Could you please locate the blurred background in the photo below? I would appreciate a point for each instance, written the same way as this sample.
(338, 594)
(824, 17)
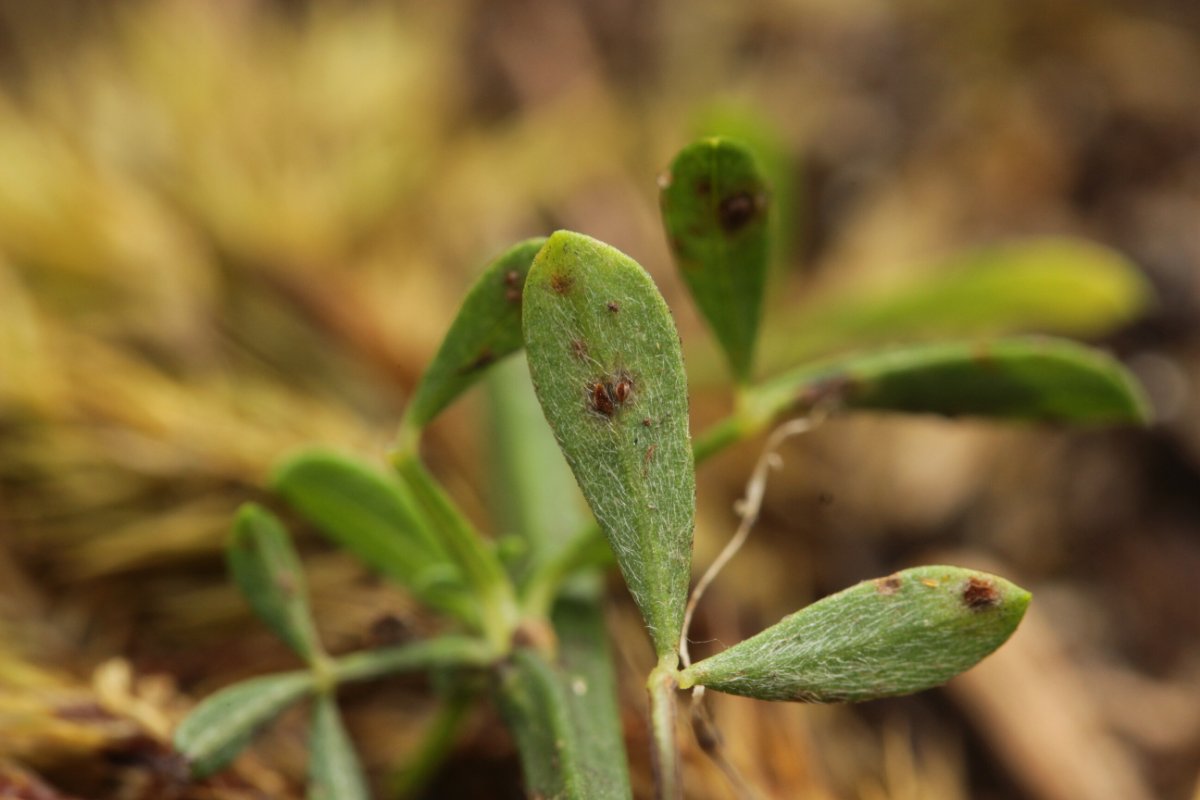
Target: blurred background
(228, 229)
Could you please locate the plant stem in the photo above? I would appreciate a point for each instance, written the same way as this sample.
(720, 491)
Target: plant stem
(444, 651)
(436, 743)
(661, 688)
(484, 572)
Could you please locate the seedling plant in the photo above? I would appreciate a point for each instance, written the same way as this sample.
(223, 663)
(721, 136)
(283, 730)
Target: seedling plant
(522, 612)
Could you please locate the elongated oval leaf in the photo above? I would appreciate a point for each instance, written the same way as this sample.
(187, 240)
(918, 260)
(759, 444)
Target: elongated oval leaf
(605, 361)
(376, 518)
(268, 572)
(486, 329)
(896, 635)
(1053, 285)
(714, 203)
(221, 726)
(585, 667)
(334, 772)
(1031, 378)
(556, 757)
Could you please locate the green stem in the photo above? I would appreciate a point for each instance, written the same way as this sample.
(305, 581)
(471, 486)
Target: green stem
(661, 688)
(484, 572)
(588, 548)
(436, 743)
(444, 651)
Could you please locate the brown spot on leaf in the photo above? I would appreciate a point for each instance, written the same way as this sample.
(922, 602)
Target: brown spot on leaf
(389, 629)
(622, 390)
(606, 397)
(286, 583)
(646, 459)
(980, 593)
(602, 399)
(485, 357)
(827, 392)
(646, 423)
(512, 295)
(888, 585)
(560, 283)
(579, 349)
(512, 278)
(737, 210)
(704, 187)
(613, 307)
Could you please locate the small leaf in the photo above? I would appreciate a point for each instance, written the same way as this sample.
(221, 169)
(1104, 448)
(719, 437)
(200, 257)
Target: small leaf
(1032, 378)
(334, 772)
(268, 572)
(605, 361)
(376, 518)
(486, 329)
(1056, 285)
(896, 635)
(221, 726)
(714, 203)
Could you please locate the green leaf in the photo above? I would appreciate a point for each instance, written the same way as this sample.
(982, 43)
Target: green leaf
(605, 361)
(334, 772)
(221, 726)
(1032, 378)
(376, 518)
(486, 329)
(896, 635)
(781, 168)
(268, 572)
(714, 203)
(533, 493)
(586, 671)
(1054, 285)
(533, 698)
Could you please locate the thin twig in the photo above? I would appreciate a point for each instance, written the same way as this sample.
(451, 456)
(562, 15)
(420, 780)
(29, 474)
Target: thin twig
(748, 509)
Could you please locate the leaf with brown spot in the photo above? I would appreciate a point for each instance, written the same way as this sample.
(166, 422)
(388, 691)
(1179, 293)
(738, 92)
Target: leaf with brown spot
(267, 570)
(596, 407)
(715, 209)
(486, 329)
(891, 636)
(1026, 377)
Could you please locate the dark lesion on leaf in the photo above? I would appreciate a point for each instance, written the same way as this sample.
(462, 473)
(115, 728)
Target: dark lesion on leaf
(739, 209)
(485, 358)
(608, 395)
(889, 585)
(579, 349)
(980, 593)
(613, 306)
(561, 283)
(828, 392)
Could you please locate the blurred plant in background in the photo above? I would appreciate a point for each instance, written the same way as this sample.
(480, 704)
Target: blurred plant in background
(228, 229)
